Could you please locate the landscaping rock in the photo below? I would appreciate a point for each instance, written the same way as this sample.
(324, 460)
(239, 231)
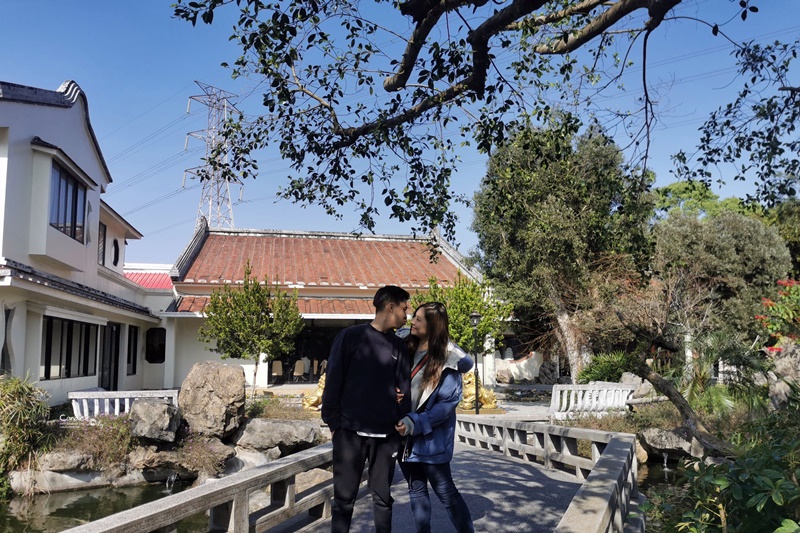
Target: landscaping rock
(65, 461)
(290, 436)
(212, 398)
(645, 388)
(503, 375)
(548, 373)
(784, 375)
(244, 459)
(675, 443)
(154, 418)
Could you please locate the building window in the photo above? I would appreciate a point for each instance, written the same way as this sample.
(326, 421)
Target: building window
(115, 252)
(69, 349)
(155, 345)
(101, 245)
(133, 349)
(67, 203)
(5, 362)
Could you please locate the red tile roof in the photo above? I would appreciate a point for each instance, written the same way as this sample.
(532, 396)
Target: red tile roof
(307, 306)
(151, 280)
(319, 260)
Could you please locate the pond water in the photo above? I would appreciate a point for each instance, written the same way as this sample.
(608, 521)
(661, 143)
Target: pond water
(655, 477)
(51, 513)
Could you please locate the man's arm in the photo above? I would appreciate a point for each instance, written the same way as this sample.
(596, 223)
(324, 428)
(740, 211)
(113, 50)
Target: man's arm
(334, 378)
(403, 379)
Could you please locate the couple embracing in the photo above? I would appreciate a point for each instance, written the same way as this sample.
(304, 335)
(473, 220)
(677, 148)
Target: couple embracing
(389, 398)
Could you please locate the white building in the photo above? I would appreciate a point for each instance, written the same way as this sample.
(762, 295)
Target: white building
(70, 318)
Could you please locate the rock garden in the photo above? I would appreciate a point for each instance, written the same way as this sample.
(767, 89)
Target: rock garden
(213, 431)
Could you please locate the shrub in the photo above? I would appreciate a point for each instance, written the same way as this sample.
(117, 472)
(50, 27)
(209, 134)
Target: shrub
(194, 454)
(272, 407)
(758, 490)
(23, 423)
(609, 367)
(23, 419)
(107, 439)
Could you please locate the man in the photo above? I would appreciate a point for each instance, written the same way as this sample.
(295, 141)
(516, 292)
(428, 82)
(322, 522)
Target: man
(367, 375)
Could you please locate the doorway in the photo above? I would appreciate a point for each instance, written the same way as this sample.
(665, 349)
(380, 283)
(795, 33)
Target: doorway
(109, 356)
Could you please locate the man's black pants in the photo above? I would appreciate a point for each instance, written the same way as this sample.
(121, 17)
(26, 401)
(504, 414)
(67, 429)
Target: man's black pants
(350, 451)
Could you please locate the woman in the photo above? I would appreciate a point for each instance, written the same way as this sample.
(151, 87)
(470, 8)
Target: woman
(430, 427)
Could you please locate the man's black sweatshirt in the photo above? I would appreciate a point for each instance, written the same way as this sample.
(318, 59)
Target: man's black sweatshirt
(364, 368)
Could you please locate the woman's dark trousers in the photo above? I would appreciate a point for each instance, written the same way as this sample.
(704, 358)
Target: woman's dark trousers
(418, 476)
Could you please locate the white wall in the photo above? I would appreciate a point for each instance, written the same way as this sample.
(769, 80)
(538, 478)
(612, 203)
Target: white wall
(67, 129)
(189, 351)
(527, 368)
(3, 178)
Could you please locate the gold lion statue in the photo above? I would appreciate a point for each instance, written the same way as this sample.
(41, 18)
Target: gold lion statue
(312, 401)
(486, 397)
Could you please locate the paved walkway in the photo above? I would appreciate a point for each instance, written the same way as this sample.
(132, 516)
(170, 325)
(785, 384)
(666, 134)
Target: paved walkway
(504, 494)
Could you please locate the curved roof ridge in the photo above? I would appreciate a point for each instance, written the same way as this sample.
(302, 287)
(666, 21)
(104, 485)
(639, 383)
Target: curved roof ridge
(72, 91)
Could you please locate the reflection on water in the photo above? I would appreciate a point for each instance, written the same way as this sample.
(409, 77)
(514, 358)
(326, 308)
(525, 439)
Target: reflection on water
(656, 481)
(50, 513)
(655, 476)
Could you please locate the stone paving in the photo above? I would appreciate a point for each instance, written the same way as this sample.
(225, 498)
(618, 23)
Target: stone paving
(504, 495)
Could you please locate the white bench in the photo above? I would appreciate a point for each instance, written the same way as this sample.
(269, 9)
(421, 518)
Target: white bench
(569, 401)
(90, 403)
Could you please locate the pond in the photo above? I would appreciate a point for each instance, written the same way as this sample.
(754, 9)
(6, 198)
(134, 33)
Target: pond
(658, 478)
(51, 513)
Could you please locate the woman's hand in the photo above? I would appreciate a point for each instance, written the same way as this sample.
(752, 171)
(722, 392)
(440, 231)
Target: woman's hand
(400, 395)
(401, 428)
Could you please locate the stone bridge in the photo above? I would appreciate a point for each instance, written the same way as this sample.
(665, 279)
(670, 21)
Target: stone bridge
(514, 475)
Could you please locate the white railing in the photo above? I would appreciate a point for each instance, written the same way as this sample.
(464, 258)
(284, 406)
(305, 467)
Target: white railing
(609, 497)
(88, 404)
(569, 401)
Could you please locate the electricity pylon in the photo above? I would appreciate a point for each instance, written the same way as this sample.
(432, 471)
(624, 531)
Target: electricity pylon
(215, 199)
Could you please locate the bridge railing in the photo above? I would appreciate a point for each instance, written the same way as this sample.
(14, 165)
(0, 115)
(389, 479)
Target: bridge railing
(609, 496)
(603, 504)
(227, 501)
(90, 403)
(569, 401)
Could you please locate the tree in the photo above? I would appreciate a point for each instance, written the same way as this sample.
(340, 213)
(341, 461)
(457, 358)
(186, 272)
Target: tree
(552, 208)
(250, 320)
(461, 300)
(359, 95)
(696, 198)
(708, 278)
(735, 258)
(785, 216)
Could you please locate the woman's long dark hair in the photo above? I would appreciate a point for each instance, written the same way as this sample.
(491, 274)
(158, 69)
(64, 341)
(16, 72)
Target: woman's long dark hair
(438, 336)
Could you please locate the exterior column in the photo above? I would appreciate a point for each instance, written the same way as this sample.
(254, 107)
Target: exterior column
(169, 354)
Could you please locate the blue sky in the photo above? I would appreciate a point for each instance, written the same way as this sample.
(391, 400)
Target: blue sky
(138, 66)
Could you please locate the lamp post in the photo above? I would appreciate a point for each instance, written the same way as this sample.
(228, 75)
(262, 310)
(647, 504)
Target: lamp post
(474, 320)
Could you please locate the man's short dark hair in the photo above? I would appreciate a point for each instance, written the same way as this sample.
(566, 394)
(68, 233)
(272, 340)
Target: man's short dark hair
(390, 294)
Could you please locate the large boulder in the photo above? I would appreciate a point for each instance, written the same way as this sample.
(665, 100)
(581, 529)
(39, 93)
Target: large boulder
(154, 418)
(785, 373)
(673, 444)
(548, 373)
(290, 436)
(645, 388)
(63, 461)
(212, 397)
